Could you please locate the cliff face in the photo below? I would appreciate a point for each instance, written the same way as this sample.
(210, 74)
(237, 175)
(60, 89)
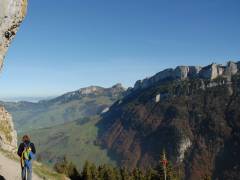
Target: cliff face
(196, 120)
(12, 12)
(187, 72)
(8, 136)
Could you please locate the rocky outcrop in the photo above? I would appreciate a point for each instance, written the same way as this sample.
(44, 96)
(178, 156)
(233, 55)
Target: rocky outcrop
(8, 135)
(158, 98)
(12, 12)
(184, 145)
(183, 72)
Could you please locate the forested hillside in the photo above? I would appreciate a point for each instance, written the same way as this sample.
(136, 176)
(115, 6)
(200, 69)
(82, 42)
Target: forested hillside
(196, 120)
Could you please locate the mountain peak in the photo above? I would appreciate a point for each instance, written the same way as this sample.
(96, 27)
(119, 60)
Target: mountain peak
(90, 90)
(118, 86)
(113, 91)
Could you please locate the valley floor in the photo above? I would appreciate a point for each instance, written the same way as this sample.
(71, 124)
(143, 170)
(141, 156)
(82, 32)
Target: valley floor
(11, 169)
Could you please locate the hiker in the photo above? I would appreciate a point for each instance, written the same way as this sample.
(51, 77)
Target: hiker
(26, 152)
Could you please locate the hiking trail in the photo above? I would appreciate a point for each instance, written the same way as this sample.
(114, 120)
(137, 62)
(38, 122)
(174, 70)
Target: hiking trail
(11, 170)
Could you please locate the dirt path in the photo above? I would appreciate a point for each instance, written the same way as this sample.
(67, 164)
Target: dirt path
(11, 170)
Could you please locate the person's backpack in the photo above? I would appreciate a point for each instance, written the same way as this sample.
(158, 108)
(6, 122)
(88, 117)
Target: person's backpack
(27, 155)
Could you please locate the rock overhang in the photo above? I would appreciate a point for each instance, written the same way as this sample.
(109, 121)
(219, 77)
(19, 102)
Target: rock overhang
(12, 13)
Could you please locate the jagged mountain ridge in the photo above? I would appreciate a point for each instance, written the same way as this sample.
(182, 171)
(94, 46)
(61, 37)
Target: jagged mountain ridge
(68, 107)
(183, 72)
(194, 118)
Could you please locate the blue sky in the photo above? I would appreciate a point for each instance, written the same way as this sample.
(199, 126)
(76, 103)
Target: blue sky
(64, 45)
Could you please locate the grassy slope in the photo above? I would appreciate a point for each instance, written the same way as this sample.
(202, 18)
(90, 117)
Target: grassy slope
(75, 139)
(39, 115)
(62, 126)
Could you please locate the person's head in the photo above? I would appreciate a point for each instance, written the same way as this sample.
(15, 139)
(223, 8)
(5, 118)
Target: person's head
(26, 138)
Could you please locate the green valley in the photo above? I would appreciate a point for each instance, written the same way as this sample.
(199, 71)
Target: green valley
(71, 106)
(66, 125)
(76, 140)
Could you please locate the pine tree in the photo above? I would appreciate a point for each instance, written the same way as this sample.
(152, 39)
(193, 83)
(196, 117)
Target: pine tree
(86, 173)
(207, 177)
(72, 171)
(94, 171)
(117, 173)
(67, 168)
(109, 173)
(137, 174)
(151, 174)
(171, 174)
(124, 174)
(165, 169)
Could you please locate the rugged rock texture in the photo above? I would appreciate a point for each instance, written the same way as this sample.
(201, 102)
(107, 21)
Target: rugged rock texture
(8, 136)
(183, 72)
(196, 120)
(12, 12)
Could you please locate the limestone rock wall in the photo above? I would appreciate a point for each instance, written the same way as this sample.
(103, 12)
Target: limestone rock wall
(183, 72)
(8, 135)
(12, 12)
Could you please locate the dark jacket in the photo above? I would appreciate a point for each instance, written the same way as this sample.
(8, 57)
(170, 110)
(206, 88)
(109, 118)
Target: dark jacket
(22, 146)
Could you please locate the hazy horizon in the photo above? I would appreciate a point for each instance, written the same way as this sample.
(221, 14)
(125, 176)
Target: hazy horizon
(25, 98)
(104, 43)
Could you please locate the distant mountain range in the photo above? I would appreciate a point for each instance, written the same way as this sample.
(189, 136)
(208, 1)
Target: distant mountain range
(71, 106)
(26, 98)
